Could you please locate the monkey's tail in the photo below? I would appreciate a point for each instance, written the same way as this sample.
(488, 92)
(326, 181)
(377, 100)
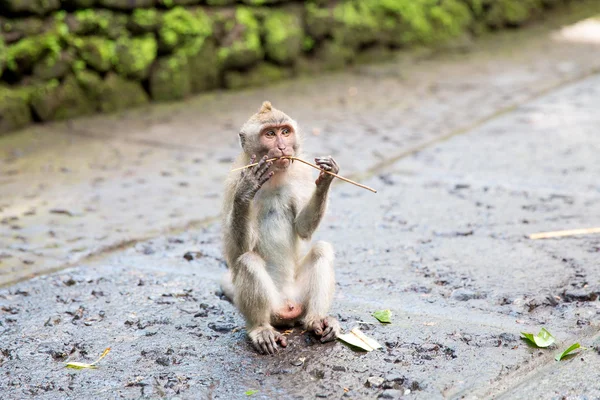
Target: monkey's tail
(227, 285)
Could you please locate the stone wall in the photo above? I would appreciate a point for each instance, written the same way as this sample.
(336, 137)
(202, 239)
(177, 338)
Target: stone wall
(65, 58)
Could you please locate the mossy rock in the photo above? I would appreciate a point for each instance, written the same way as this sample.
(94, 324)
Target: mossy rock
(331, 55)
(119, 94)
(54, 66)
(318, 20)
(174, 3)
(204, 68)
(241, 45)
(355, 23)
(60, 101)
(15, 29)
(134, 56)
(144, 20)
(22, 55)
(126, 5)
(79, 4)
(263, 2)
(260, 75)
(220, 2)
(38, 7)
(98, 22)
(14, 110)
(170, 78)
(375, 54)
(184, 28)
(2, 56)
(283, 36)
(511, 12)
(92, 84)
(97, 52)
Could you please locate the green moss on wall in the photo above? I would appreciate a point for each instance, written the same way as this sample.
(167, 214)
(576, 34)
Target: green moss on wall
(126, 4)
(134, 56)
(181, 27)
(204, 68)
(283, 36)
(39, 7)
(14, 109)
(259, 75)
(54, 65)
(144, 20)
(3, 56)
(170, 78)
(97, 52)
(120, 94)
(98, 22)
(61, 101)
(241, 47)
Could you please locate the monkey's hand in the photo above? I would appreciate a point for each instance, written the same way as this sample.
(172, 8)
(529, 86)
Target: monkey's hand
(328, 328)
(253, 178)
(326, 164)
(265, 339)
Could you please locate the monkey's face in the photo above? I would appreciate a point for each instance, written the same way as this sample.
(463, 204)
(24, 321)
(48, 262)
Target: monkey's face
(278, 140)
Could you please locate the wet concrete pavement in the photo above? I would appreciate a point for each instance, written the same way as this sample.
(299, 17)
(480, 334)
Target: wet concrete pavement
(470, 152)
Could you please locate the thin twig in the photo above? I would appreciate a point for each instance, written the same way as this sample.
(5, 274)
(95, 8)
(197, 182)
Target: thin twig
(315, 167)
(571, 232)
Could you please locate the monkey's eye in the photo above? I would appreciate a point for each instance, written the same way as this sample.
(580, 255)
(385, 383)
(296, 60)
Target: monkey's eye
(270, 133)
(285, 132)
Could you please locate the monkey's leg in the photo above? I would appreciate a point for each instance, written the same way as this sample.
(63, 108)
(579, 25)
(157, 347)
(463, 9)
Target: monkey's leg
(317, 284)
(256, 297)
(227, 285)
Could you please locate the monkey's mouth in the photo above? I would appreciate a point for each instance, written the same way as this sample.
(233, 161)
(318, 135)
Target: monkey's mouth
(282, 162)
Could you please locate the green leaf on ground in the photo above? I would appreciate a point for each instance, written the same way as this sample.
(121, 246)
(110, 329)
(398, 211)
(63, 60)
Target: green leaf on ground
(383, 316)
(542, 339)
(78, 365)
(358, 339)
(560, 356)
(251, 392)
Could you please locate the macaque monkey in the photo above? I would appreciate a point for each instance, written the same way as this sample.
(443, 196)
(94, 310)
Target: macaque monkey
(270, 211)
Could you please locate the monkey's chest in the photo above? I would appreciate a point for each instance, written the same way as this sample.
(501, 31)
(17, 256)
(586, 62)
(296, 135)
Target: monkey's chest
(276, 238)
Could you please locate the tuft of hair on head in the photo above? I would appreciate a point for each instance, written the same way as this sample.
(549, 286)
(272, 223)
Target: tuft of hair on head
(266, 107)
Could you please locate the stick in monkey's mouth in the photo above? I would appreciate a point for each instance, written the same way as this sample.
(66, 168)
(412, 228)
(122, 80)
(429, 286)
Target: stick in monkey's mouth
(312, 165)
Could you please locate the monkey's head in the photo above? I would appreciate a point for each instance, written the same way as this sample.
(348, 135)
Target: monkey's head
(270, 132)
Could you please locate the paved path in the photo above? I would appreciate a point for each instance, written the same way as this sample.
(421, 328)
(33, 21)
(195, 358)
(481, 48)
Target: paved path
(118, 202)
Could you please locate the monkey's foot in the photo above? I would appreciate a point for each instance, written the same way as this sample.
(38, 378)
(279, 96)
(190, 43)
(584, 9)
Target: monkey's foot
(265, 339)
(328, 328)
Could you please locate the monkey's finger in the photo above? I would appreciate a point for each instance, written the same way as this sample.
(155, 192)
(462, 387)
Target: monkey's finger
(318, 329)
(266, 178)
(273, 345)
(265, 167)
(261, 162)
(325, 322)
(282, 341)
(329, 336)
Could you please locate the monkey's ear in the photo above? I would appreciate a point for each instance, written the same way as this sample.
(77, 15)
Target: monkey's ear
(242, 136)
(266, 107)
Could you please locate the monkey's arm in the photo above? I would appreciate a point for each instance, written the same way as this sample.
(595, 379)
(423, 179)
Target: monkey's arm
(310, 216)
(237, 224)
